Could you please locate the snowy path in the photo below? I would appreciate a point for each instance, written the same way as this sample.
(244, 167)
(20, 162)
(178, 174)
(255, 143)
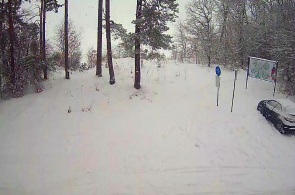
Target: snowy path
(167, 138)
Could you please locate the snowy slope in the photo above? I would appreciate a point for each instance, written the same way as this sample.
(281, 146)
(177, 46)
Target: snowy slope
(167, 138)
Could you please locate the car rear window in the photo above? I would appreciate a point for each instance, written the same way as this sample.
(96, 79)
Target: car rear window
(275, 104)
(272, 103)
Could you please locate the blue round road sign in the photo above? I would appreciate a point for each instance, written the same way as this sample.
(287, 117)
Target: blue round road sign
(218, 71)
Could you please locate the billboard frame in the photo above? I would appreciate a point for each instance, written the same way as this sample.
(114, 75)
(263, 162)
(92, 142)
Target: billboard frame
(276, 73)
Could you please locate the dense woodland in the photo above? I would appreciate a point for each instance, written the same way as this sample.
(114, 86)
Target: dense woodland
(214, 32)
(228, 31)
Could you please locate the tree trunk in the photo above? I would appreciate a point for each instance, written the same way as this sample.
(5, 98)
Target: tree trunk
(196, 53)
(225, 53)
(2, 47)
(99, 40)
(137, 46)
(109, 45)
(66, 41)
(241, 20)
(241, 51)
(44, 41)
(41, 30)
(11, 39)
(223, 36)
(209, 43)
(184, 50)
(240, 43)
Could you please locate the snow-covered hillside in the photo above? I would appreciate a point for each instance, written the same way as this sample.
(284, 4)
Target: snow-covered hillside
(167, 138)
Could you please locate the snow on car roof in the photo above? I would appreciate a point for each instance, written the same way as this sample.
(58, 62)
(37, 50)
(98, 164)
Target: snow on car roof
(290, 110)
(286, 103)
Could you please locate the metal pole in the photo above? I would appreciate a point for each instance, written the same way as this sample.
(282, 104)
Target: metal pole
(247, 72)
(217, 95)
(232, 102)
(274, 90)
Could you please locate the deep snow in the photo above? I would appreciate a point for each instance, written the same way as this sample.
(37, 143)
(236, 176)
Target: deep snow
(167, 138)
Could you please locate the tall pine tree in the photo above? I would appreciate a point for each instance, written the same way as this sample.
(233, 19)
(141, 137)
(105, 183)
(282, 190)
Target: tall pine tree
(2, 47)
(137, 44)
(11, 42)
(46, 5)
(99, 39)
(109, 45)
(66, 41)
(150, 25)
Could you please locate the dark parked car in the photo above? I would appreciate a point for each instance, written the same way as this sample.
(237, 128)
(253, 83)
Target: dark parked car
(280, 112)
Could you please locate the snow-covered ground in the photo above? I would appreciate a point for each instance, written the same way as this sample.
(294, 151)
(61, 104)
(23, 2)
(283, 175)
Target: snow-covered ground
(167, 138)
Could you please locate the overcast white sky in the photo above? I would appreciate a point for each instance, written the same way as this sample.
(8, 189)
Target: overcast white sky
(84, 15)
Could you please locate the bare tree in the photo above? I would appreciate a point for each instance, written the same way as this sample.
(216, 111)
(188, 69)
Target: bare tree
(239, 20)
(99, 39)
(91, 57)
(200, 17)
(109, 45)
(74, 45)
(224, 12)
(181, 39)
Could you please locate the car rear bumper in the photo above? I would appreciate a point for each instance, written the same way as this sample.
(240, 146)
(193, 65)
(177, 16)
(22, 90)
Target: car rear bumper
(289, 129)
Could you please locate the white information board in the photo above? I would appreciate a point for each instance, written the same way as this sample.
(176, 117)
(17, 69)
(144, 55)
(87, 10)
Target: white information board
(262, 69)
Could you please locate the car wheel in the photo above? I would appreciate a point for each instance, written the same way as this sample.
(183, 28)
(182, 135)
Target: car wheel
(261, 110)
(258, 107)
(280, 127)
(264, 114)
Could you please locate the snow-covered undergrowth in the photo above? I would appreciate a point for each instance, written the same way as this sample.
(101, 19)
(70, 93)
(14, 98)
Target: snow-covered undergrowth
(84, 136)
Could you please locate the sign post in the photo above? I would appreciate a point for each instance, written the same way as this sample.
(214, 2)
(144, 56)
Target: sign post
(217, 79)
(218, 86)
(247, 73)
(275, 79)
(232, 102)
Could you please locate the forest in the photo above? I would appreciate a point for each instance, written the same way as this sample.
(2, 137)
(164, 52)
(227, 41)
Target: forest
(223, 32)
